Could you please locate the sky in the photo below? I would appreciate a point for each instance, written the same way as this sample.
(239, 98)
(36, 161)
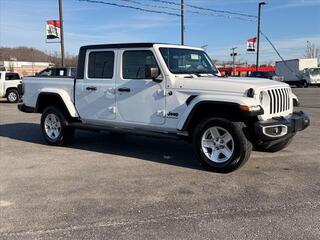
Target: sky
(289, 24)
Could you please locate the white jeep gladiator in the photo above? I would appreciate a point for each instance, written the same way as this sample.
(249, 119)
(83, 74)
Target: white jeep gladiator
(166, 90)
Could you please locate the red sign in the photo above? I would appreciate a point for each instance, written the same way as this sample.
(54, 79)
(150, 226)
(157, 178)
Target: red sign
(53, 29)
(251, 44)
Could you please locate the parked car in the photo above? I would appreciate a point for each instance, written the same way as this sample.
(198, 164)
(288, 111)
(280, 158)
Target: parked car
(58, 72)
(9, 82)
(169, 91)
(268, 75)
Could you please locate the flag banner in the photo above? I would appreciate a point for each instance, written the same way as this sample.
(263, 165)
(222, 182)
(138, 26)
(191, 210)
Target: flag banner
(53, 29)
(251, 44)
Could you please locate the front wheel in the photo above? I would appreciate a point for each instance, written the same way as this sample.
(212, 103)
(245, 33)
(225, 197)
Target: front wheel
(13, 96)
(54, 127)
(221, 144)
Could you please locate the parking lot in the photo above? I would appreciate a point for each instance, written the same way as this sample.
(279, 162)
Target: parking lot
(106, 186)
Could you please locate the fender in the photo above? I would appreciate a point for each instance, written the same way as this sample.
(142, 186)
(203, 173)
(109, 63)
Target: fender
(217, 99)
(64, 96)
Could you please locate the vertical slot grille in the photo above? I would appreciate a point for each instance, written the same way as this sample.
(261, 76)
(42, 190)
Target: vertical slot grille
(279, 100)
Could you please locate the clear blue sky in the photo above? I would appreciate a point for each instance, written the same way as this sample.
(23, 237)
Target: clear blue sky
(288, 23)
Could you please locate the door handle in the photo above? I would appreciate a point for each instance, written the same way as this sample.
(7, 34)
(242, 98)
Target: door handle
(124, 89)
(91, 88)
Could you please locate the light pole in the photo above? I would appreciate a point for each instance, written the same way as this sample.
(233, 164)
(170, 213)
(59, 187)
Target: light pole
(182, 22)
(61, 33)
(233, 55)
(258, 35)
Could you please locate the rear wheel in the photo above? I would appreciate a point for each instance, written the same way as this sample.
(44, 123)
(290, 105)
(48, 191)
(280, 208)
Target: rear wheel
(13, 96)
(54, 127)
(303, 84)
(221, 144)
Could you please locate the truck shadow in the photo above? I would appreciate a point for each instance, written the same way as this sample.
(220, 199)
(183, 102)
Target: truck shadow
(172, 152)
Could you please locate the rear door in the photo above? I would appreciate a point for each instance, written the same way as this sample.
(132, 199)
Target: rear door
(95, 93)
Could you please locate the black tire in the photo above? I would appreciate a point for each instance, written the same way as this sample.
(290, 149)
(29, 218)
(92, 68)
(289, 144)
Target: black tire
(274, 148)
(241, 146)
(65, 133)
(12, 96)
(304, 84)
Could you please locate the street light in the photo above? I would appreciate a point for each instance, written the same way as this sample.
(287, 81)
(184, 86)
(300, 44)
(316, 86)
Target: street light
(258, 35)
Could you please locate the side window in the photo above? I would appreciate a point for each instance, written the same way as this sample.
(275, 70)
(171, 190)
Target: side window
(135, 62)
(46, 73)
(12, 76)
(73, 72)
(101, 64)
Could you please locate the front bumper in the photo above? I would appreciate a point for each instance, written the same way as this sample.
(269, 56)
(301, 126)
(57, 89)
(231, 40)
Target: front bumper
(278, 129)
(23, 108)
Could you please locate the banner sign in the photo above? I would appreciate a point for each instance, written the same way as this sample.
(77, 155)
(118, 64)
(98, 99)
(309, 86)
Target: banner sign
(53, 29)
(251, 44)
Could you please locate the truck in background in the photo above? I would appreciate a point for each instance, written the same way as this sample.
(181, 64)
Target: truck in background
(9, 82)
(299, 72)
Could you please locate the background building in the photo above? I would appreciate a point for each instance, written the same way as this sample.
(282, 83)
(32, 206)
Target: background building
(24, 68)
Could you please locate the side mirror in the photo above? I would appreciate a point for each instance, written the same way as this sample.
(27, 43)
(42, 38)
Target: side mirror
(153, 73)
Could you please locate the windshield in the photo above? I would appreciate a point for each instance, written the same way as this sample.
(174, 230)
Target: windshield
(187, 61)
(314, 71)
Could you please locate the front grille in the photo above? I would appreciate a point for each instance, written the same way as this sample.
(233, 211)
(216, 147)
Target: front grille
(279, 100)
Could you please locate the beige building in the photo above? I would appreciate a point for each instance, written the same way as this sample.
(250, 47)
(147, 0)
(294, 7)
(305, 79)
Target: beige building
(24, 68)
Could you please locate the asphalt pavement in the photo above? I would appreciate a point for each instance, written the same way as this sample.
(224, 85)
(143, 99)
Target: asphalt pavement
(105, 186)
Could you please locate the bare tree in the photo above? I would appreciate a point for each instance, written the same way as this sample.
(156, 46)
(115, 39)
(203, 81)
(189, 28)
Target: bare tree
(312, 51)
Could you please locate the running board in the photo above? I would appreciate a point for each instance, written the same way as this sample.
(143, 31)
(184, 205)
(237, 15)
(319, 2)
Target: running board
(140, 132)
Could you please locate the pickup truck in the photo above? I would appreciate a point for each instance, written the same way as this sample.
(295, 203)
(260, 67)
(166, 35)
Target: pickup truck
(168, 91)
(9, 82)
(58, 72)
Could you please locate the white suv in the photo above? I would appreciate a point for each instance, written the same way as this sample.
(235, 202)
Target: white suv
(9, 82)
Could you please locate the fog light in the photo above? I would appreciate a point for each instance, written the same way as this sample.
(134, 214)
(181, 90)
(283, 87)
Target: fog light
(275, 131)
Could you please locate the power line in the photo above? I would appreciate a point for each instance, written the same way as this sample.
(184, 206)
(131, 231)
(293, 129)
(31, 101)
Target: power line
(275, 49)
(131, 7)
(150, 5)
(163, 7)
(206, 9)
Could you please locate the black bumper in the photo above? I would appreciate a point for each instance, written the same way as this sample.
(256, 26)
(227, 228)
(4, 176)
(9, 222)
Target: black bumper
(298, 121)
(23, 108)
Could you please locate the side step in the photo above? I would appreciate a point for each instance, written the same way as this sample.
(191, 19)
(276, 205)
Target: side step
(131, 131)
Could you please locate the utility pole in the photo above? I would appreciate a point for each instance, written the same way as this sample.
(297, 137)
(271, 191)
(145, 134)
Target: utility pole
(61, 33)
(258, 35)
(233, 55)
(182, 22)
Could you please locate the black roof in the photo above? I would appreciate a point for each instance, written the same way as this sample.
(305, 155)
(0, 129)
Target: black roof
(118, 45)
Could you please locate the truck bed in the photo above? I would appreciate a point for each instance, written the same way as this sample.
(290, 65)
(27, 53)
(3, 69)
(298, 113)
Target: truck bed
(35, 85)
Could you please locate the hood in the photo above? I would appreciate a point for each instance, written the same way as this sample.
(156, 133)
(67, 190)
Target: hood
(229, 84)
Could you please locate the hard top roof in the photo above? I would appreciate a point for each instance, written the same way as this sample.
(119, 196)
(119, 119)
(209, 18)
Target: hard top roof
(129, 45)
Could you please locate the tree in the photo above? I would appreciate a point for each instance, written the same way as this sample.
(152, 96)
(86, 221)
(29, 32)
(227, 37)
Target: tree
(312, 51)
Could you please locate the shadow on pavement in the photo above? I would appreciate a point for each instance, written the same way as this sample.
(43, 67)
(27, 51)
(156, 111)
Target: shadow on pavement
(177, 153)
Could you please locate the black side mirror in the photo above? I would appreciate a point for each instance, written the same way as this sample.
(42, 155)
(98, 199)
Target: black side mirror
(153, 73)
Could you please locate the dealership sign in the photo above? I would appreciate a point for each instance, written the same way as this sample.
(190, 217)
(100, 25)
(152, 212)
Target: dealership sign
(53, 29)
(251, 44)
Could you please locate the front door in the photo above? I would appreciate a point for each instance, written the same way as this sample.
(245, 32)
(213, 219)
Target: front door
(95, 93)
(139, 100)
